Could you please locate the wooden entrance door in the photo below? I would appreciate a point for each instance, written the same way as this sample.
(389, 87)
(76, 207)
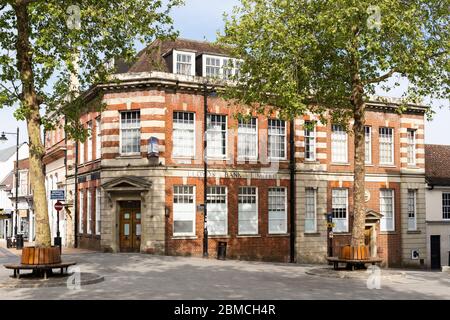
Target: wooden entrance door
(435, 246)
(130, 226)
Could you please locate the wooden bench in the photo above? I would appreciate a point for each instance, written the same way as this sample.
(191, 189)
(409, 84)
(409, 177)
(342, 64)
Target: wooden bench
(44, 268)
(351, 263)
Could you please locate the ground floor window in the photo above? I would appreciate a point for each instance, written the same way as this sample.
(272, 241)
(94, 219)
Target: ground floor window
(277, 210)
(97, 211)
(81, 213)
(217, 211)
(183, 211)
(412, 217)
(387, 210)
(310, 210)
(248, 211)
(340, 209)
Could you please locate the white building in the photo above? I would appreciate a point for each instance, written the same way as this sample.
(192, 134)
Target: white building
(437, 166)
(7, 158)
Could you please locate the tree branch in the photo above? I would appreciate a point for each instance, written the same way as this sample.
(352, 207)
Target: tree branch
(9, 91)
(381, 78)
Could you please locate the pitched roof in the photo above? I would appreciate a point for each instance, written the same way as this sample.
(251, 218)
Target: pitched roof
(7, 182)
(151, 58)
(7, 153)
(437, 164)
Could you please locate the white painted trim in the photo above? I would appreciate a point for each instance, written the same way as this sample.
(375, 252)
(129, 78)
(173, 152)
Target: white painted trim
(174, 60)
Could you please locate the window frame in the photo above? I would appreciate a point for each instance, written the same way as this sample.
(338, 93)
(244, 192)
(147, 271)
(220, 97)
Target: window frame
(284, 196)
(368, 151)
(307, 142)
(255, 157)
(226, 209)
(89, 212)
(314, 219)
(98, 217)
(98, 137)
(346, 219)
(174, 156)
(412, 221)
(239, 233)
(90, 141)
(445, 206)
(333, 141)
(208, 120)
(284, 140)
(175, 54)
(192, 214)
(392, 146)
(81, 212)
(120, 134)
(413, 147)
(382, 229)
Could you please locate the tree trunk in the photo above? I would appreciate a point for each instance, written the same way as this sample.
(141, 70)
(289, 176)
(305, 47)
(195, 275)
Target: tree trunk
(30, 104)
(359, 212)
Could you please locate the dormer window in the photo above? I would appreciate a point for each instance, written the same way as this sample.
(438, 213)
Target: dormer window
(212, 67)
(184, 63)
(220, 67)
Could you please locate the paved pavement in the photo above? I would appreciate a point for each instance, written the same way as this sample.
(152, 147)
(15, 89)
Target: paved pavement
(140, 276)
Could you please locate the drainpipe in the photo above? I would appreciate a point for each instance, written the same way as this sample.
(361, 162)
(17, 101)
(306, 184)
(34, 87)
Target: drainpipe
(292, 190)
(205, 169)
(75, 202)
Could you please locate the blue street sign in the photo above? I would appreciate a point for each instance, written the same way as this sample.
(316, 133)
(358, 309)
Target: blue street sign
(57, 194)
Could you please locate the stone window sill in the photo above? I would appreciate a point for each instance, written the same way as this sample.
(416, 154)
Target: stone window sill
(184, 237)
(278, 235)
(249, 236)
(413, 232)
(219, 237)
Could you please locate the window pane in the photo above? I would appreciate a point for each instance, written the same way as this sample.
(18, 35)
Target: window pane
(130, 132)
(277, 139)
(339, 209)
(386, 146)
(310, 143)
(247, 139)
(183, 134)
(277, 210)
(411, 147)
(183, 210)
(411, 200)
(338, 144)
(212, 67)
(216, 135)
(310, 210)
(368, 144)
(446, 205)
(248, 211)
(217, 211)
(184, 64)
(387, 209)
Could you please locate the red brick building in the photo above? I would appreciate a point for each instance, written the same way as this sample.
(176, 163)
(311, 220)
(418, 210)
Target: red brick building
(140, 174)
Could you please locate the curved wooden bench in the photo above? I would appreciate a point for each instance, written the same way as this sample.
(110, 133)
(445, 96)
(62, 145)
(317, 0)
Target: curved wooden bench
(353, 262)
(45, 268)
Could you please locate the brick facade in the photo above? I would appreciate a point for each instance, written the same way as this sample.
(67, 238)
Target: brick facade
(157, 95)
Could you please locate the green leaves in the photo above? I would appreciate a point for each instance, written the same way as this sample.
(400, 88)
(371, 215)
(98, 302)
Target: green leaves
(309, 53)
(96, 31)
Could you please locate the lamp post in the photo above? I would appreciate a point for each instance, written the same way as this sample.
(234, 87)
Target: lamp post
(3, 138)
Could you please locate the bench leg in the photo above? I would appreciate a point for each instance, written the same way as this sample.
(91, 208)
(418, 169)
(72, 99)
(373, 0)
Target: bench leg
(45, 274)
(62, 271)
(18, 273)
(15, 273)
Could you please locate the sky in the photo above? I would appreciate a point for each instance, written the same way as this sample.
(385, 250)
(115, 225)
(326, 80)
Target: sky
(200, 20)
